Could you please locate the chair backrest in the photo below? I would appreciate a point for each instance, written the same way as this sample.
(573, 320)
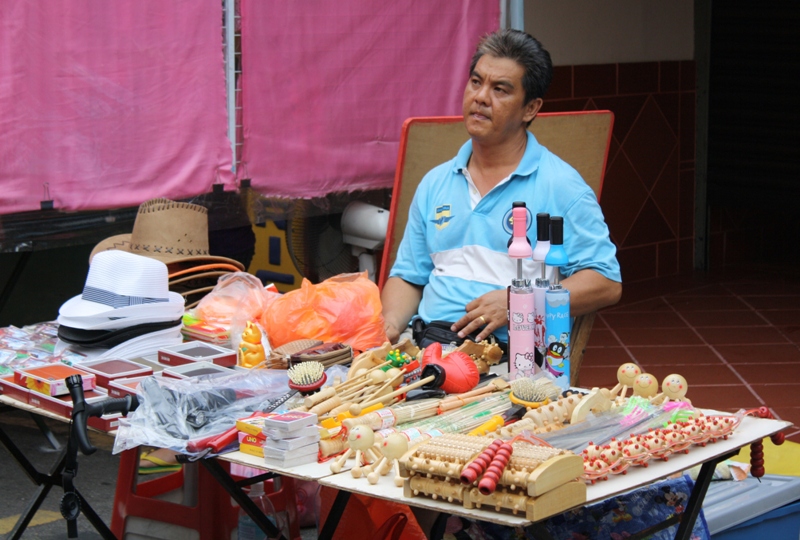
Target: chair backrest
(581, 139)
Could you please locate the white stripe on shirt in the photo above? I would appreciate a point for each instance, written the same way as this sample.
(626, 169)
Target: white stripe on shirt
(484, 265)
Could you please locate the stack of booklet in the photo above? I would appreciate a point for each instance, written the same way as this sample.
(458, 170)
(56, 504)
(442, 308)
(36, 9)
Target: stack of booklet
(292, 438)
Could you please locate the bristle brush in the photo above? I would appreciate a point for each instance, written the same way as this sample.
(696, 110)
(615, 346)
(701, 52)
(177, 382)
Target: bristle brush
(533, 393)
(305, 378)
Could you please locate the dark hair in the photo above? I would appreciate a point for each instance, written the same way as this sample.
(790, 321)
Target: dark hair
(525, 50)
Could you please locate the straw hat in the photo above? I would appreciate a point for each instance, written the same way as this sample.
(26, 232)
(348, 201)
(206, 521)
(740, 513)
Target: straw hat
(169, 231)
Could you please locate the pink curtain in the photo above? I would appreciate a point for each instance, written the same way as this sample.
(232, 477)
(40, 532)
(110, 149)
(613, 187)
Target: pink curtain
(327, 85)
(110, 103)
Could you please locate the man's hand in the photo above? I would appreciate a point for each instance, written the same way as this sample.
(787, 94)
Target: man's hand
(391, 332)
(486, 313)
(400, 301)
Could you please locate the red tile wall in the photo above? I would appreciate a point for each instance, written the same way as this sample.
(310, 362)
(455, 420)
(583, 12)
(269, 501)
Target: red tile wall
(648, 192)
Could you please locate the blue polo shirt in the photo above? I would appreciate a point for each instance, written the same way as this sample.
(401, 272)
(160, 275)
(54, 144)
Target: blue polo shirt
(458, 252)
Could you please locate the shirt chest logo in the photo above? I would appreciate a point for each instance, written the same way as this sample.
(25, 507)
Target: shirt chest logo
(442, 217)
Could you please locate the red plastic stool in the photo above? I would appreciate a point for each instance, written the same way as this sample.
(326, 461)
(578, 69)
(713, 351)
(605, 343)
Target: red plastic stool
(205, 508)
(281, 493)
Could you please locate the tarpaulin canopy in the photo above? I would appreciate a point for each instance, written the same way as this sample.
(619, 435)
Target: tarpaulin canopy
(327, 85)
(110, 103)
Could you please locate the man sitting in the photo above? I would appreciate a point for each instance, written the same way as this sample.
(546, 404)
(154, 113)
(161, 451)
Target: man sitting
(453, 263)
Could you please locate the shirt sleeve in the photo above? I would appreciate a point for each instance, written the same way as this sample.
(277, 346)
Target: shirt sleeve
(587, 240)
(413, 262)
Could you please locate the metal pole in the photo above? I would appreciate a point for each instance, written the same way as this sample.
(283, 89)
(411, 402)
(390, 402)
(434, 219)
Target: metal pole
(516, 15)
(230, 74)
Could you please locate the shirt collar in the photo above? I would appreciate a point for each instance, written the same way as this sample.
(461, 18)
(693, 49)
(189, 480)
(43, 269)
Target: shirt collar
(527, 165)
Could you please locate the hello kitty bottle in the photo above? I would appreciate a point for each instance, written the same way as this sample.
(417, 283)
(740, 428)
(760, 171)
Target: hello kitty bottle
(521, 349)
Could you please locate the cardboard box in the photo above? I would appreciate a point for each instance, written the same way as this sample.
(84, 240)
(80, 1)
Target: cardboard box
(126, 386)
(107, 370)
(108, 422)
(62, 405)
(196, 351)
(195, 369)
(10, 388)
(51, 379)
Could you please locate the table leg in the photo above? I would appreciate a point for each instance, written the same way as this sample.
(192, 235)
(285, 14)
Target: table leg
(339, 504)
(234, 490)
(46, 431)
(695, 502)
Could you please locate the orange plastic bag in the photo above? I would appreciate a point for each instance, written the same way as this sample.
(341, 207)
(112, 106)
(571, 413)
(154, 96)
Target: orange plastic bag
(345, 308)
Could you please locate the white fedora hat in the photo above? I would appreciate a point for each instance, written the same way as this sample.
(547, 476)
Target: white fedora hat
(122, 284)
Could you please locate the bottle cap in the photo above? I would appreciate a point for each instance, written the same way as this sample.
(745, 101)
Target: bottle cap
(543, 227)
(556, 230)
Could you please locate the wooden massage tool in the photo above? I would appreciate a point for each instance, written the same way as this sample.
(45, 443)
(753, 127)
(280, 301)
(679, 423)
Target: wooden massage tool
(545, 418)
(673, 388)
(514, 475)
(392, 449)
(626, 374)
(337, 399)
(455, 401)
(484, 354)
(376, 357)
(361, 443)
(645, 385)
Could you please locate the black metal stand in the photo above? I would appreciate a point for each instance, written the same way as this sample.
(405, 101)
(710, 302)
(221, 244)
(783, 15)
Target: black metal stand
(45, 481)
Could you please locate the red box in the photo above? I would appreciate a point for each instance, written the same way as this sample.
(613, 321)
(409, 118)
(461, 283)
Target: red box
(108, 422)
(62, 405)
(107, 370)
(126, 386)
(13, 390)
(196, 351)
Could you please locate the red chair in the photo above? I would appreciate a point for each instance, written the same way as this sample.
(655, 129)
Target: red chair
(580, 138)
(177, 504)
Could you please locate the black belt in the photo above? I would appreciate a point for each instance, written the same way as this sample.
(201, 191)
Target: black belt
(439, 332)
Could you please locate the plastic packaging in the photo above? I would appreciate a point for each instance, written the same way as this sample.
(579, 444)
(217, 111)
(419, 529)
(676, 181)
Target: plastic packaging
(345, 308)
(237, 296)
(190, 415)
(248, 530)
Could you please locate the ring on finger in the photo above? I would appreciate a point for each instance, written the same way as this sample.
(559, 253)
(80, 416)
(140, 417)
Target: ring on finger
(483, 320)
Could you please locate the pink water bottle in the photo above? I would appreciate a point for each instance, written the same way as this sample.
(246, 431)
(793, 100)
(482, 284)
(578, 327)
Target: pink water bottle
(521, 350)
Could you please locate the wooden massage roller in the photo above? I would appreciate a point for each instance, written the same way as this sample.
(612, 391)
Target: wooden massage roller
(545, 418)
(512, 475)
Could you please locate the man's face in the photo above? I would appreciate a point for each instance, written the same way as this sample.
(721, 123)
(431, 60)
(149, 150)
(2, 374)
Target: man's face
(494, 101)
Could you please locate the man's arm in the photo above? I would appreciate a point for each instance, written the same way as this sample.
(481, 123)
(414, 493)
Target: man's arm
(589, 291)
(400, 300)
